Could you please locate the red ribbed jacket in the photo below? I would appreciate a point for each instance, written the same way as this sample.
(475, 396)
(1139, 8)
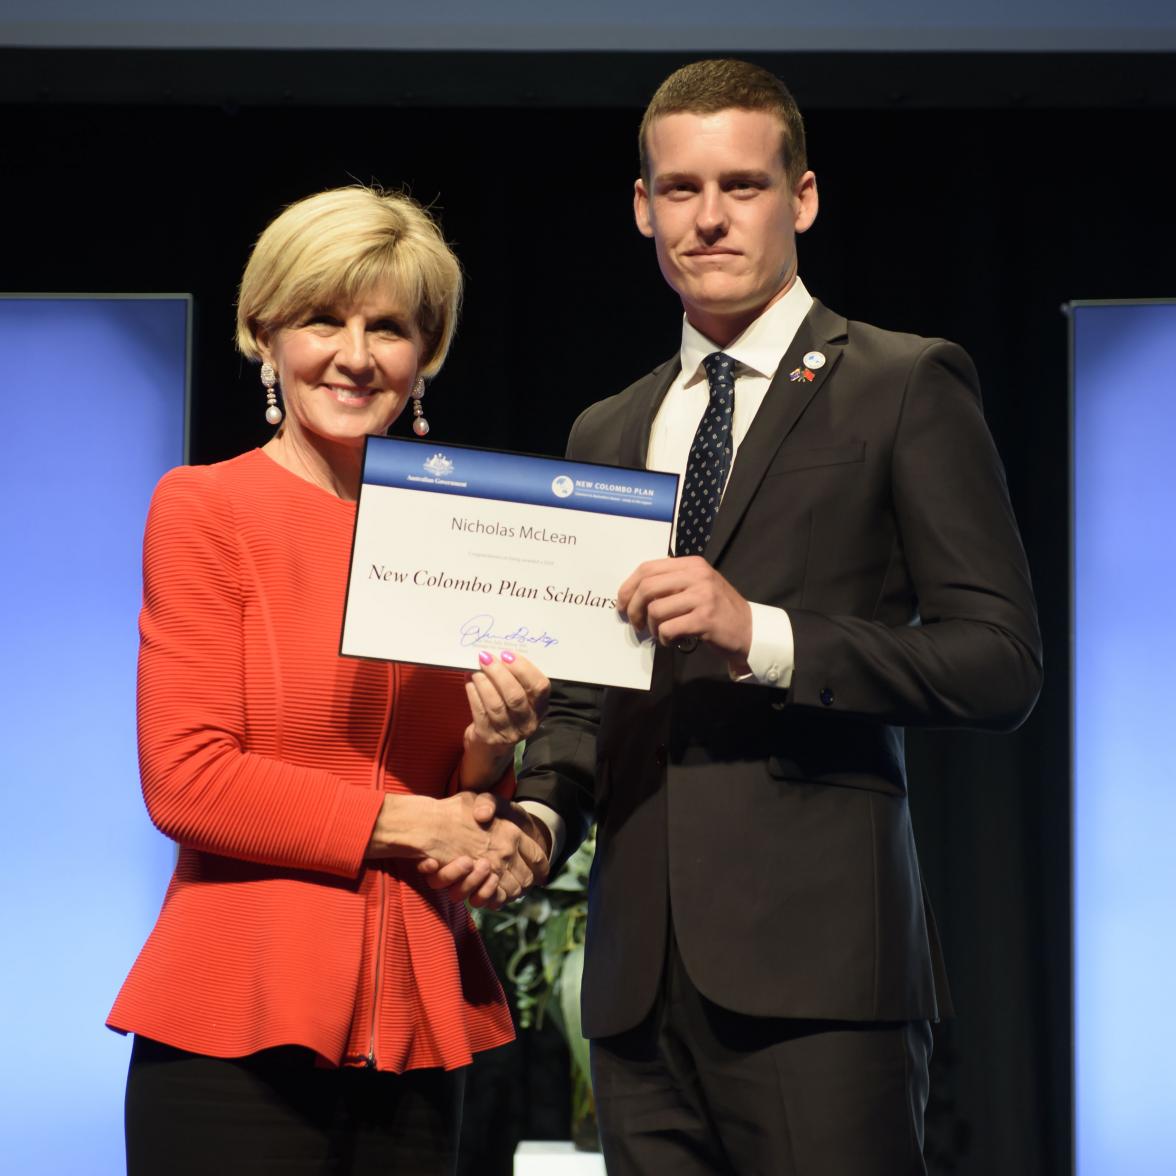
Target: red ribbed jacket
(265, 754)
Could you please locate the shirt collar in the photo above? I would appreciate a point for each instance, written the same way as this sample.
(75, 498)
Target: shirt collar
(761, 346)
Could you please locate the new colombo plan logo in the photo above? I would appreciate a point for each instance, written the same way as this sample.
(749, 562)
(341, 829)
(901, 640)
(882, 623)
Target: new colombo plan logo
(562, 486)
(439, 465)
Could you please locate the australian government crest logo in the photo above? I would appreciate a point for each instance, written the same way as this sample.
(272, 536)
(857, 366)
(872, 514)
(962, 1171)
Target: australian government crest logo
(439, 465)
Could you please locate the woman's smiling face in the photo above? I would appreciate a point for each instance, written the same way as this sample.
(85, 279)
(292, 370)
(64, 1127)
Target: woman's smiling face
(346, 371)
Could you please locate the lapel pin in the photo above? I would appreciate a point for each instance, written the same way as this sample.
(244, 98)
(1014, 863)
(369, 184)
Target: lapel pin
(801, 374)
(814, 360)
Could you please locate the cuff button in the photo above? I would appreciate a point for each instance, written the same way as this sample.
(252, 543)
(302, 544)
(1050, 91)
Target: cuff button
(826, 697)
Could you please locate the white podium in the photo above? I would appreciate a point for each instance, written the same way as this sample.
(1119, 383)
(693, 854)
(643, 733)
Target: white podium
(556, 1158)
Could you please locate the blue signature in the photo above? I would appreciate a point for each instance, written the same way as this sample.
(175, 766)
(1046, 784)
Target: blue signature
(480, 628)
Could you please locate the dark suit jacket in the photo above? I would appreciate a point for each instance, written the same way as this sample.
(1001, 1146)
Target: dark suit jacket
(871, 504)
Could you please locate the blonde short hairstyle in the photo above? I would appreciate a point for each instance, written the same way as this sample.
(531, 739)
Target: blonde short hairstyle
(334, 247)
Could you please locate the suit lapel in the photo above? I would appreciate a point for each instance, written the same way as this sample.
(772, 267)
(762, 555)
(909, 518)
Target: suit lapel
(786, 400)
(646, 400)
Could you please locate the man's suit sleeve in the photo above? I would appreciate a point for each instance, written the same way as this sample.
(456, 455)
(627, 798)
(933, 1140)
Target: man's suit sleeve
(973, 658)
(559, 760)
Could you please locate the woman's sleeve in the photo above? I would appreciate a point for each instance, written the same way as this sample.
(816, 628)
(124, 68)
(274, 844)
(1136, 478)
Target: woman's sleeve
(201, 787)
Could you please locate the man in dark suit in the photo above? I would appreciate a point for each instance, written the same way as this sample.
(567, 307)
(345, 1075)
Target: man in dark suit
(762, 966)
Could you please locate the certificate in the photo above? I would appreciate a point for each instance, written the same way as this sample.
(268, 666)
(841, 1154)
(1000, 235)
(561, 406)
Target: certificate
(459, 550)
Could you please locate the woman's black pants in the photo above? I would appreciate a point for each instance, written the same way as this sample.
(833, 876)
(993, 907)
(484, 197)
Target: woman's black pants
(275, 1113)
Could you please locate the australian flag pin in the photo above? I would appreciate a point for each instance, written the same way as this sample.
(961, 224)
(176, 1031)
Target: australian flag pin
(800, 374)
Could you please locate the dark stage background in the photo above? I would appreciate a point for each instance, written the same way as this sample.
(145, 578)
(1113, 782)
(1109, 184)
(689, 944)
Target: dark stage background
(964, 196)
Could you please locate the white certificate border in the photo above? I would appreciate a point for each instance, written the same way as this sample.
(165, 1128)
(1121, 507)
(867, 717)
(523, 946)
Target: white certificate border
(511, 453)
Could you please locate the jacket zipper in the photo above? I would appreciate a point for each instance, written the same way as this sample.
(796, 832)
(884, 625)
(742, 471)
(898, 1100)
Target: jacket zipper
(371, 1053)
(382, 881)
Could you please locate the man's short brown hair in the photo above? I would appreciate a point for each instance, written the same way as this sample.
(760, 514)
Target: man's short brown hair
(706, 87)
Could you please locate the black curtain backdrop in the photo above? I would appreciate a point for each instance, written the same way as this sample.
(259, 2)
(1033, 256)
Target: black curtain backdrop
(974, 215)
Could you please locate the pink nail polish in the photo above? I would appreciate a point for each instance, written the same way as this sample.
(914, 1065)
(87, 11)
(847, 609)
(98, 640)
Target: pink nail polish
(507, 656)
(485, 658)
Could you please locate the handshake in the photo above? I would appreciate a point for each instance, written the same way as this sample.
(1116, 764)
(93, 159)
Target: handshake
(474, 845)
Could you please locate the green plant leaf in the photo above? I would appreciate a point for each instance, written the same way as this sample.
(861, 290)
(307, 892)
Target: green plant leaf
(569, 1006)
(553, 944)
(551, 1009)
(568, 881)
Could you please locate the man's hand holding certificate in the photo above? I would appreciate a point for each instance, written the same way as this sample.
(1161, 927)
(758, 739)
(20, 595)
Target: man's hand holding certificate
(462, 550)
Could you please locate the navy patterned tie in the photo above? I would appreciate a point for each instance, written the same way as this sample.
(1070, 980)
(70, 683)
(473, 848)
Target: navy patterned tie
(710, 458)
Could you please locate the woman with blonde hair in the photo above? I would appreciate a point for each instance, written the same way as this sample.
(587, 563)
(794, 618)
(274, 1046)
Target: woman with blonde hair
(314, 985)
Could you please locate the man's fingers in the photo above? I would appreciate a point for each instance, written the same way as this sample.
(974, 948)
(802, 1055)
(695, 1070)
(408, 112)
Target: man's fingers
(481, 875)
(657, 580)
(652, 601)
(686, 597)
(485, 808)
(477, 876)
(507, 888)
(515, 875)
(520, 875)
(674, 604)
(495, 902)
(479, 897)
(651, 567)
(532, 852)
(671, 617)
(443, 877)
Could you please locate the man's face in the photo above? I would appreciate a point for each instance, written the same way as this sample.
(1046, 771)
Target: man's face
(722, 214)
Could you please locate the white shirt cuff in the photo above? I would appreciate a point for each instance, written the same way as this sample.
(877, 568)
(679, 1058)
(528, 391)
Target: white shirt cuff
(772, 648)
(553, 821)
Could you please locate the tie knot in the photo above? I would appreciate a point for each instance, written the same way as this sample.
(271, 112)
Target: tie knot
(720, 370)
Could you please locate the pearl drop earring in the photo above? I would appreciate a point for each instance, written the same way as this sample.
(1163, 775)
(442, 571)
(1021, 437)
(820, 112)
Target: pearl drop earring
(273, 413)
(420, 426)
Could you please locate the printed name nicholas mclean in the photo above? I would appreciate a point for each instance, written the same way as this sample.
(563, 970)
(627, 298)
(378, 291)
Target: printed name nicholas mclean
(532, 534)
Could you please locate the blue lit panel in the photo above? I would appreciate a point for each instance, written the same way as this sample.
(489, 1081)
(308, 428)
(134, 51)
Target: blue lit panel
(94, 404)
(1124, 402)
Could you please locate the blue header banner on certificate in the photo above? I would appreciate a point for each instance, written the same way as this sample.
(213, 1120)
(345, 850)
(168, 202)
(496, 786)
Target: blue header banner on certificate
(507, 477)
(461, 550)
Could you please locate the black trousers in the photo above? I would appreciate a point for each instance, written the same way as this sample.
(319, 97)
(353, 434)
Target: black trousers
(275, 1113)
(696, 1089)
